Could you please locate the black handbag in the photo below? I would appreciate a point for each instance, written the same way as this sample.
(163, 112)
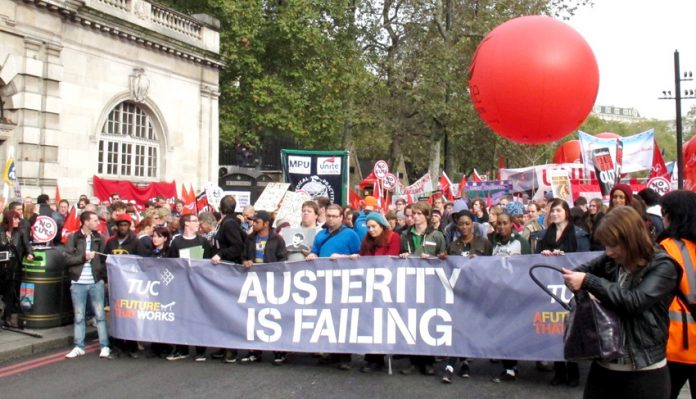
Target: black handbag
(592, 331)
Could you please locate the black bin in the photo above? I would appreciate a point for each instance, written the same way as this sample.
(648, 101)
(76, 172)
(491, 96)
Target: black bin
(44, 293)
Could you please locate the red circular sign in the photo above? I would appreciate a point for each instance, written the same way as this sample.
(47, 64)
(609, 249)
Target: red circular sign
(381, 169)
(390, 181)
(660, 184)
(44, 229)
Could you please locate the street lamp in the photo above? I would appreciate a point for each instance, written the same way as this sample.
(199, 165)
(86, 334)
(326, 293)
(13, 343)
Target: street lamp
(688, 94)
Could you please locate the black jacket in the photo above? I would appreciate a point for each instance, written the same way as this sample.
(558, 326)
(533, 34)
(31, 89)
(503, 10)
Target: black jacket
(230, 240)
(643, 307)
(18, 243)
(74, 254)
(130, 246)
(274, 251)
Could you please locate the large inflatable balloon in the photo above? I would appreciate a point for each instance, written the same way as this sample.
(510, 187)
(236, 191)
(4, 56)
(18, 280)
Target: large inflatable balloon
(533, 79)
(607, 135)
(568, 152)
(689, 151)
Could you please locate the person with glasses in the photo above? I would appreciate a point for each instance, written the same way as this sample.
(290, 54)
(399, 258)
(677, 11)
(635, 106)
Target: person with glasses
(189, 245)
(335, 241)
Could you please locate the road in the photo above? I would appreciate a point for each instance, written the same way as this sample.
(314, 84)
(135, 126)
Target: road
(52, 376)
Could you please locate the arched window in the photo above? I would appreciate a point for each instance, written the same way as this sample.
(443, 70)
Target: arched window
(128, 146)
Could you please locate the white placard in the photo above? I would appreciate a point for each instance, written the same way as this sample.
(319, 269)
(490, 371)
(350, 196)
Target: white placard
(381, 169)
(291, 207)
(243, 199)
(271, 196)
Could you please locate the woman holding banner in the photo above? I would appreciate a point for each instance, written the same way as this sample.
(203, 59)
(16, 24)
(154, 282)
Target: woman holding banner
(563, 237)
(379, 241)
(639, 283)
(507, 242)
(469, 243)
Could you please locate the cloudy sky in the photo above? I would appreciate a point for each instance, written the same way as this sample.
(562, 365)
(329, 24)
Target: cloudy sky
(634, 42)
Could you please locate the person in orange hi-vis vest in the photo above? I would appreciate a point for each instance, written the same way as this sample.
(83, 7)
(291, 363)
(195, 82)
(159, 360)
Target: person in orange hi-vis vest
(679, 216)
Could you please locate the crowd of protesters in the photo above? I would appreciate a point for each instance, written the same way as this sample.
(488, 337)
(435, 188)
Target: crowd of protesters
(432, 227)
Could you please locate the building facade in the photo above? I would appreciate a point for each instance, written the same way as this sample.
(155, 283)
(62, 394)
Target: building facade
(120, 89)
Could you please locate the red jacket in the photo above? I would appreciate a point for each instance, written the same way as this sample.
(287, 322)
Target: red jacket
(393, 246)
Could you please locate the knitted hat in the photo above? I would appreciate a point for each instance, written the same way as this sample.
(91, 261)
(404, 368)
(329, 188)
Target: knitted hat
(459, 205)
(123, 217)
(514, 208)
(626, 189)
(370, 201)
(378, 218)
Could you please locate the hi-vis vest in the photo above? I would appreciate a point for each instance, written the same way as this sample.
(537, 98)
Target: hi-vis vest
(681, 346)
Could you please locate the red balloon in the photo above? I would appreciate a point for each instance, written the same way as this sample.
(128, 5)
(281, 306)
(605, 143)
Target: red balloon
(533, 79)
(568, 152)
(607, 135)
(689, 151)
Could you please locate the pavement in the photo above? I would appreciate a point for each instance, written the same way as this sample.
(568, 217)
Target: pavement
(14, 345)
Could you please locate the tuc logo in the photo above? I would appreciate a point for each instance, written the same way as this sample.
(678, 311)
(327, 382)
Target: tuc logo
(329, 166)
(300, 165)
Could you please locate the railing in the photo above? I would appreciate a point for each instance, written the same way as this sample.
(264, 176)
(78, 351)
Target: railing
(176, 22)
(164, 17)
(120, 4)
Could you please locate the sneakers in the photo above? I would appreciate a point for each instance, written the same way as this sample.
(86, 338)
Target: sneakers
(447, 376)
(218, 354)
(344, 366)
(230, 356)
(250, 358)
(177, 356)
(105, 353)
(506, 375)
(279, 360)
(75, 352)
(464, 369)
(200, 357)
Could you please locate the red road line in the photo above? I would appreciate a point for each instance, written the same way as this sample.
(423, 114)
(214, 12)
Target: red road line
(40, 362)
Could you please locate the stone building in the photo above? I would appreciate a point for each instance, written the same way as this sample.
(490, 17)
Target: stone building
(120, 89)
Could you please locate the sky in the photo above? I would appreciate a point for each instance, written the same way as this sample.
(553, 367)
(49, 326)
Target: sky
(634, 43)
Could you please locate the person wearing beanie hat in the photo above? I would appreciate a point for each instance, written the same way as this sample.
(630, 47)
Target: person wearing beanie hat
(620, 195)
(380, 240)
(379, 219)
(516, 211)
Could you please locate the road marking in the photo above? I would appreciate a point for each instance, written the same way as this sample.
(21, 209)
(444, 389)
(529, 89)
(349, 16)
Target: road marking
(40, 362)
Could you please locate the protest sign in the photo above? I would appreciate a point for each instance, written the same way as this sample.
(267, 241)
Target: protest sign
(482, 307)
(560, 185)
(291, 208)
(318, 173)
(636, 154)
(271, 197)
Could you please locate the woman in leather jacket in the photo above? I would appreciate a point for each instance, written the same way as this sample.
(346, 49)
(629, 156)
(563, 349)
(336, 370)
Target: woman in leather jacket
(14, 245)
(637, 281)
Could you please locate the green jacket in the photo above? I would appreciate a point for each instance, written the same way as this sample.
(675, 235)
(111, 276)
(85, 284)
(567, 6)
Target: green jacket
(432, 242)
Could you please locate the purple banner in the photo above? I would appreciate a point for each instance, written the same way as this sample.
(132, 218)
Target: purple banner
(483, 307)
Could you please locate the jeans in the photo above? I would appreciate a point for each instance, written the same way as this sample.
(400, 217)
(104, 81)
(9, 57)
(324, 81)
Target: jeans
(79, 293)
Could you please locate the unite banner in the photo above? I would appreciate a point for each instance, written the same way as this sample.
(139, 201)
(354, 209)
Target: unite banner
(317, 173)
(482, 307)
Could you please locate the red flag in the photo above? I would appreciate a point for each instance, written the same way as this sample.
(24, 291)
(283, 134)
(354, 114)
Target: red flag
(475, 177)
(462, 184)
(446, 187)
(659, 169)
(202, 202)
(489, 201)
(57, 196)
(71, 225)
(354, 199)
(189, 199)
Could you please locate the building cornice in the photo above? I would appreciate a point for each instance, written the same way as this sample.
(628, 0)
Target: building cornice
(122, 24)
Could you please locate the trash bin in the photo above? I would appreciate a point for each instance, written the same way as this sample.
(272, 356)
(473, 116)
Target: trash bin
(44, 293)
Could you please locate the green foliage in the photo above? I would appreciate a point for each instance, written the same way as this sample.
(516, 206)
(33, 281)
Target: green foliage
(388, 77)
